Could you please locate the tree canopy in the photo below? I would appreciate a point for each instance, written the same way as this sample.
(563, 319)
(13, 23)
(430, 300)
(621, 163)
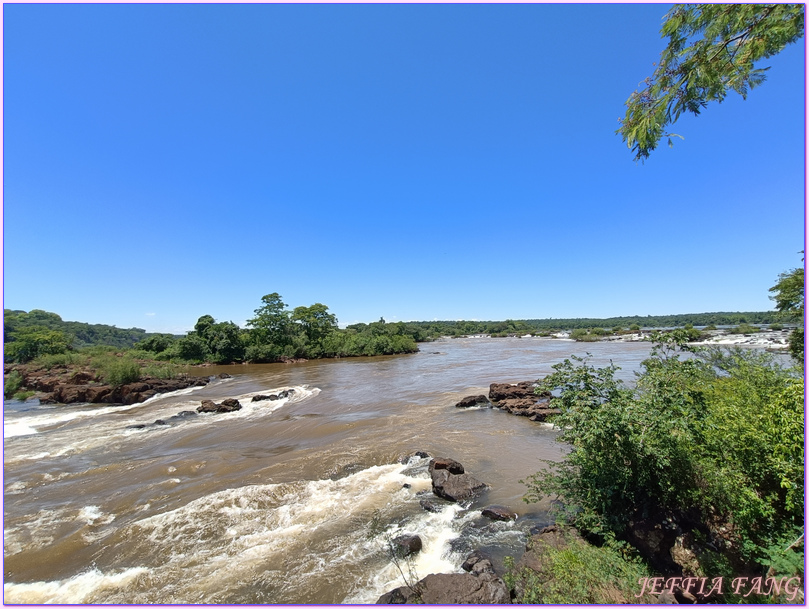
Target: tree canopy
(712, 50)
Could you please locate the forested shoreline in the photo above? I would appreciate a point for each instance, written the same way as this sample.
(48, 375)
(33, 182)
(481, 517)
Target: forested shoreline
(279, 334)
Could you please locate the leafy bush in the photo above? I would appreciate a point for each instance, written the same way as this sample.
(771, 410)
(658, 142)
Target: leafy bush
(12, 383)
(776, 327)
(35, 341)
(728, 444)
(58, 359)
(116, 370)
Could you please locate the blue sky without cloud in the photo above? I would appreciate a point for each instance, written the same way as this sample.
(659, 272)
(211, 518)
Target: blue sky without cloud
(416, 161)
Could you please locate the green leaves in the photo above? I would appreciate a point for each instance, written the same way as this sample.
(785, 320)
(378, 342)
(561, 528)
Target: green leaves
(712, 49)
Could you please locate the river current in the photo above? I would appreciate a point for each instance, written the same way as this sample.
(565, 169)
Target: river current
(285, 501)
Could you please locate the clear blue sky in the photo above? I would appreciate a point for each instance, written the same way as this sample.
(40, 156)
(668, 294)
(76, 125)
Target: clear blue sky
(416, 162)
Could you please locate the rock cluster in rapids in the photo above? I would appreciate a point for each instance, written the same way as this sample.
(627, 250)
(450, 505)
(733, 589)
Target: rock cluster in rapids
(518, 399)
(480, 585)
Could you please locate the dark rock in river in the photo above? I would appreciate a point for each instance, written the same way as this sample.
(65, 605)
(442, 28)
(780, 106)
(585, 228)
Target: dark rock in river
(264, 398)
(228, 405)
(451, 465)
(521, 400)
(478, 562)
(454, 486)
(451, 589)
(207, 406)
(405, 545)
(507, 391)
(498, 512)
(472, 400)
(225, 375)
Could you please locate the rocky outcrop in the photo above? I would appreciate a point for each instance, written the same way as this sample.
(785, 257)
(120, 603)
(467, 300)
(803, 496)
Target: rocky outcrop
(451, 482)
(451, 589)
(130, 393)
(228, 405)
(472, 400)
(521, 400)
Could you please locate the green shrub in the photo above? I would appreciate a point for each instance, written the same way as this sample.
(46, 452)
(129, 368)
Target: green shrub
(58, 360)
(776, 327)
(35, 341)
(729, 444)
(23, 395)
(12, 383)
(116, 370)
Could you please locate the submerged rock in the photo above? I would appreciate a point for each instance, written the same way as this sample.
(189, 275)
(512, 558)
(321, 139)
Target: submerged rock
(405, 545)
(498, 512)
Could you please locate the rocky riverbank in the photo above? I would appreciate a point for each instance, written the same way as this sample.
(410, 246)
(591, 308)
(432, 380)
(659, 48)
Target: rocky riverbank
(70, 384)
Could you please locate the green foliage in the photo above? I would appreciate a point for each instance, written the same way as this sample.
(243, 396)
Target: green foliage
(156, 343)
(789, 297)
(315, 321)
(34, 341)
(272, 322)
(584, 336)
(579, 573)
(79, 334)
(721, 433)
(424, 330)
(12, 383)
(712, 50)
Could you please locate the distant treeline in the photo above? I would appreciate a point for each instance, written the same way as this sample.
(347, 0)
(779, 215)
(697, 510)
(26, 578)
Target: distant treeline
(78, 334)
(274, 334)
(277, 333)
(434, 329)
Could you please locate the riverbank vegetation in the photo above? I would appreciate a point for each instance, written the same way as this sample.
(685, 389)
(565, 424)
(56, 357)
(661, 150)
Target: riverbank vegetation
(698, 468)
(274, 334)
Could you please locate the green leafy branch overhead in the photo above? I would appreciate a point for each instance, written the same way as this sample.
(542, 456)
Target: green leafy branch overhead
(712, 50)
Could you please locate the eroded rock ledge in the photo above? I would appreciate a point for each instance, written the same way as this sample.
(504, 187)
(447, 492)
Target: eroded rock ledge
(517, 398)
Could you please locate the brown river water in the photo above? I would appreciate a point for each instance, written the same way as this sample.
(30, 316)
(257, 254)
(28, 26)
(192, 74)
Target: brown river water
(287, 501)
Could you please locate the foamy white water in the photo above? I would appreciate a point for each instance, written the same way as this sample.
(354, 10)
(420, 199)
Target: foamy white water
(80, 589)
